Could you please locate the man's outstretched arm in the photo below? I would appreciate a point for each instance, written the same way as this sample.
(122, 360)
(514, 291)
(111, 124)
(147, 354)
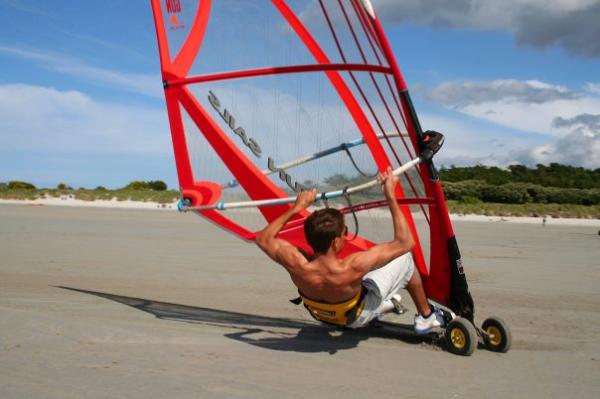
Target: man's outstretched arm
(403, 241)
(280, 250)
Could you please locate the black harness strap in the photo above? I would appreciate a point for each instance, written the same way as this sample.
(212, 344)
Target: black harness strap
(347, 197)
(345, 147)
(297, 300)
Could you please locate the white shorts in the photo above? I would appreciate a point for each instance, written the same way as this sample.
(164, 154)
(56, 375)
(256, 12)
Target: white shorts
(381, 285)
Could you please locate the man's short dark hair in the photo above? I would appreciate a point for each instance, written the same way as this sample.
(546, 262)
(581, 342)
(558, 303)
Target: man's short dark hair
(322, 227)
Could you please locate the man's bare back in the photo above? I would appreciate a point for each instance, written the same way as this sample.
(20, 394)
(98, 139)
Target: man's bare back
(326, 277)
(326, 280)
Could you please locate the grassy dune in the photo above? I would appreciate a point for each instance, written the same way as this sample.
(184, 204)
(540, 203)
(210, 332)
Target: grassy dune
(535, 210)
(459, 207)
(162, 197)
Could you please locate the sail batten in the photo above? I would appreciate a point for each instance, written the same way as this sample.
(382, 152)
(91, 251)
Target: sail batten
(247, 73)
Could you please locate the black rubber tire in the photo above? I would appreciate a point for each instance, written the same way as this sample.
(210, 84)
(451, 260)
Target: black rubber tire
(461, 337)
(501, 329)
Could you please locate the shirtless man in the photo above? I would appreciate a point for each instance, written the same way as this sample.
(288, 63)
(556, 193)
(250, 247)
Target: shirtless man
(353, 291)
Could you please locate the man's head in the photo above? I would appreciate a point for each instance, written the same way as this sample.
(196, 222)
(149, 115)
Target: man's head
(322, 228)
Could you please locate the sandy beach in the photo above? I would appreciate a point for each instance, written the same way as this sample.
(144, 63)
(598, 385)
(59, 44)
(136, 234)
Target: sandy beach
(105, 302)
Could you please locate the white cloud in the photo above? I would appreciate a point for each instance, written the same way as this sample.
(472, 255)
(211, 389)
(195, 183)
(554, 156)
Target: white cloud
(572, 24)
(580, 147)
(469, 142)
(593, 88)
(524, 105)
(577, 148)
(569, 120)
(585, 123)
(460, 94)
(145, 84)
(36, 118)
(533, 117)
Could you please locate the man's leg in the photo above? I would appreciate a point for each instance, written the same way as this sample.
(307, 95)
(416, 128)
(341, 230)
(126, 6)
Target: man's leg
(427, 319)
(417, 293)
(382, 284)
(391, 278)
(385, 282)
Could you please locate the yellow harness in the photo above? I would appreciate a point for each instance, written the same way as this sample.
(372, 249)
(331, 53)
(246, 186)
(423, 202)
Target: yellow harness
(339, 314)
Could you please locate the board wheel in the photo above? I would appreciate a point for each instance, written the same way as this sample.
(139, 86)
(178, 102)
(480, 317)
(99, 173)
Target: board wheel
(498, 337)
(461, 337)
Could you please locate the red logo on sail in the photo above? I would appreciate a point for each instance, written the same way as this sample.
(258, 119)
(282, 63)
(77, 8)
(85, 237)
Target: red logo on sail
(174, 8)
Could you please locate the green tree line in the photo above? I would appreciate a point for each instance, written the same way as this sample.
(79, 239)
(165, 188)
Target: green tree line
(553, 175)
(553, 184)
(519, 193)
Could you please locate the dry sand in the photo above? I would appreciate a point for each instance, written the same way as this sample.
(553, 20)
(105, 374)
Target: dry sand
(208, 316)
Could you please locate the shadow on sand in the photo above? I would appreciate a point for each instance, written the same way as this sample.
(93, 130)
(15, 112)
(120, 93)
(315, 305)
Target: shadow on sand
(267, 332)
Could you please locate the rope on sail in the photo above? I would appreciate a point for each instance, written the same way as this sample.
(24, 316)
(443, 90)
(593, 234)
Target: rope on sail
(364, 97)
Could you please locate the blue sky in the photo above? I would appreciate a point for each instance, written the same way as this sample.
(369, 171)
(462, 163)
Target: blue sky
(81, 97)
